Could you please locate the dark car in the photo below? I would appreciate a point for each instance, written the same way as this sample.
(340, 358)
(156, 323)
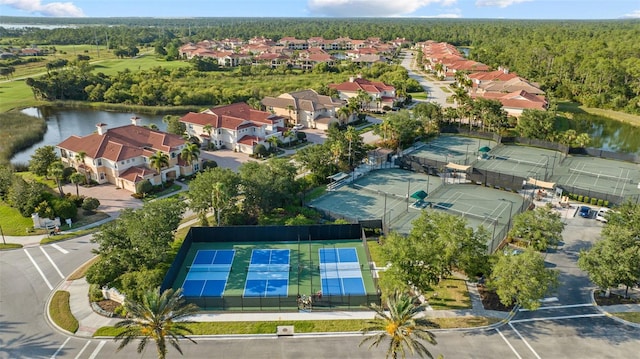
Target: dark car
(585, 212)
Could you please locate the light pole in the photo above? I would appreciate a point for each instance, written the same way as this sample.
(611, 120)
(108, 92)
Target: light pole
(2, 232)
(510, 212)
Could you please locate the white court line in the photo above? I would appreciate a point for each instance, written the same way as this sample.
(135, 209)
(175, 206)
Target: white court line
(95, 352)
(524, 341)
(52, 263)
(64, 251)
(558, 318)
(559, 307)
(60, 348)
(509, 344)
(38, 269)
(83, 348)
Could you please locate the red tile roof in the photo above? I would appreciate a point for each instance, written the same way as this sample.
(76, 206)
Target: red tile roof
(122, 143)
(362, 84)
(249, 140)
(233, 117)
(136, 173)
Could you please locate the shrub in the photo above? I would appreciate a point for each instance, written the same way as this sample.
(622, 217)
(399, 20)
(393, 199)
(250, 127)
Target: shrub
(95, 293)
(77, 200)
(90, 204)
(144, 186)
(580, 197)
(209, 164)
(606, 203)
(594, 201)
(64, 208)
(586, 199)
(600, 202)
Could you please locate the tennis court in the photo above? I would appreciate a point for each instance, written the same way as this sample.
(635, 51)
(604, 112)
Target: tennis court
(600, 175)
(456, 149)
(268, 274)
(340, 272)
(382, 193)
(521, 161)
(208, 273)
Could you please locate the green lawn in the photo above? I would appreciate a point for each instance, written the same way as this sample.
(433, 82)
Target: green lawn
(13, 224)
(418, 95)
(61, 313)
(633, 317)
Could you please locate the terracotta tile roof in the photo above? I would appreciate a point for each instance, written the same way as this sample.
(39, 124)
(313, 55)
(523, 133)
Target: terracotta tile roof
(249, 140)
(136, 174)
(362, 84)
(498, 75)
(517, 99)
(233, 117)
(122, 143)
(515, 84)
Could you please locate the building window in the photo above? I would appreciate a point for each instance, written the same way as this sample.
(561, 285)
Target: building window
(173, 155)
(121, 162)
(99, 161)
(196, 167)
(101, 176)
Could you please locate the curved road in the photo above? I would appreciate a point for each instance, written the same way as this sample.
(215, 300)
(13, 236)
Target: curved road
(436, 94)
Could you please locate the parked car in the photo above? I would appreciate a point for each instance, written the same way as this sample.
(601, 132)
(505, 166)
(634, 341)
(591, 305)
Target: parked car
(585, 212)
(298, 127)
(600, 216)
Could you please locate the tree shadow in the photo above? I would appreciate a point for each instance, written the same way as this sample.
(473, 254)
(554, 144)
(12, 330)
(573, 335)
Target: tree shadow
(14, 344)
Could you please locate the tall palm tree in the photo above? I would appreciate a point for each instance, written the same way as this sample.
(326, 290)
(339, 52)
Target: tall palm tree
(208, 129)
(56, 170)
(76, 178)
(159, 160)
(273, 142)
(400, 325)
(190, 153)
(80, 156)
(343, 113)
(155, 318)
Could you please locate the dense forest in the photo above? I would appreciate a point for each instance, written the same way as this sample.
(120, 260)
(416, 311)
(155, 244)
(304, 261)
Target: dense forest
(594, 62)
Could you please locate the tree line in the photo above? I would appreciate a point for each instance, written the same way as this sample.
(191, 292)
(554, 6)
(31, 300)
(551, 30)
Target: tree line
(594, 62)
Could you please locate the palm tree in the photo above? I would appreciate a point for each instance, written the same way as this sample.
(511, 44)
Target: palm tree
(56, 170)
(76, 178)
(190, 153)
(208, 129)
(291, 109)
(159, 160)
(344, 113)
(273, 143)
(400, 324)
(156, 318)
(351, 135)
(80, 156)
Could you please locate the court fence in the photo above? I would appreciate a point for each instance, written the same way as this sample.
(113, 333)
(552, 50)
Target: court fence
(471, 133)
(596, 152)
(534, 142)
(496, 179)
(284, 303)
(611, 198)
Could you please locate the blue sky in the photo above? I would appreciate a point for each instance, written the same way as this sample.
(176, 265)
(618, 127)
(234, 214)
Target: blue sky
(495, 9)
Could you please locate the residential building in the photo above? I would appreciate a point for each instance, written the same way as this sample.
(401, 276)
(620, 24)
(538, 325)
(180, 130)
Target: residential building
(237, 126)
(516, 102)
(380, 93)
(307, 108)
(121, 155)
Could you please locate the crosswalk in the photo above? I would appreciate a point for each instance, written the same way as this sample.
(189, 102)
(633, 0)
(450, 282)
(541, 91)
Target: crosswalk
(45, 259)
(82, 348)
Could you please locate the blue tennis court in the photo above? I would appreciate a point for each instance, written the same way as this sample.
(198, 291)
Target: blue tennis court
(340, 272)
(268, 274)
(208, 273)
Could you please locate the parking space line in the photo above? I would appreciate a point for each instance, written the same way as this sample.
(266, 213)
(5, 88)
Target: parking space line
(558, 318)
(83, 348)
(97, 350)
(52, 263)
(60, 348)
(38, 269)
(64, 251)
(524, 341)
(509, 344)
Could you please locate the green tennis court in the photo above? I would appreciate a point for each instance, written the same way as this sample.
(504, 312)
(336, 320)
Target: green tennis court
(455, 149)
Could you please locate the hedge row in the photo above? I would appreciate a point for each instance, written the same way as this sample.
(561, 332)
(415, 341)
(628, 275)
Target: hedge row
(589, 200)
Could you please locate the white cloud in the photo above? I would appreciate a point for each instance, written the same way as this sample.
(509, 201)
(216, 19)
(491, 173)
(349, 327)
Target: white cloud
(443, 16)
(632, 15)
(370, 8)
(499, 3)
(49, 9)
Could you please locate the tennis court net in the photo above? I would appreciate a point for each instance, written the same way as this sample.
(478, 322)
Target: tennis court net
(377, 191)
(465, 214)
(451, 151)
(519, 161)
(601, 175)
(209, 268)
(268, 268)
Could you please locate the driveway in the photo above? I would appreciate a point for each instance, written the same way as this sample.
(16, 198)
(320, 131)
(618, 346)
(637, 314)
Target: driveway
(433, 88)
(112, 200)
(226, 158)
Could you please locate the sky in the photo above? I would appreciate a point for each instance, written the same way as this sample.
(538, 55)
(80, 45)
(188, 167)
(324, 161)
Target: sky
(469, 9)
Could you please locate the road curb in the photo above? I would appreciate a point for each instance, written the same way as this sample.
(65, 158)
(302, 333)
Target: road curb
(609, 315)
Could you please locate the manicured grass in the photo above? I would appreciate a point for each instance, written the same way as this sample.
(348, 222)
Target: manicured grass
(166, 191)
(13, 224)
(31, 177)
(376, 253)
(304, 326)
(418, 95)
(82, 270)
(315, 193)
(9, 246)
(16, 94)
(60, 312)
(445, 89)
(633, 317)
(62, 237)
(449, 294)
(574, 107)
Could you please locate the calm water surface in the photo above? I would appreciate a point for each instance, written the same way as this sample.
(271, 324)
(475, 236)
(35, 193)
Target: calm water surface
(81, 122)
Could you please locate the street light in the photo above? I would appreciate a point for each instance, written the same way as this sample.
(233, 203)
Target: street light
(2, 232)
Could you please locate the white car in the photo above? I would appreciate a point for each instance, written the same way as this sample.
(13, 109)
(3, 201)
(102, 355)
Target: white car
(298, 127)
(600, 216)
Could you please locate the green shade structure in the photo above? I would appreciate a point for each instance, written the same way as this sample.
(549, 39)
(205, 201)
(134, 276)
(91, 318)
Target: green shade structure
(419, 194)
(484, 149)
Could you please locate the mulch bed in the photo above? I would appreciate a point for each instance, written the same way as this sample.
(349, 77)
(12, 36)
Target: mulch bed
(615, 299)
(491, 301)
(108, 305)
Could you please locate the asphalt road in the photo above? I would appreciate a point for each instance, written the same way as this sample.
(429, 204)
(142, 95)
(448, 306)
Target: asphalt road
(567, 326)
(433, 88)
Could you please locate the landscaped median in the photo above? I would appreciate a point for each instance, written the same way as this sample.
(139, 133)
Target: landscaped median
(305, 326)
(60, 312)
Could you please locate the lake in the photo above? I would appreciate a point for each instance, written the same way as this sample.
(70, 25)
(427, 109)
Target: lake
(81, 122)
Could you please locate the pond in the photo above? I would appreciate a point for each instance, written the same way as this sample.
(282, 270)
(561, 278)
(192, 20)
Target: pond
(607, 134)
(62, 123)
